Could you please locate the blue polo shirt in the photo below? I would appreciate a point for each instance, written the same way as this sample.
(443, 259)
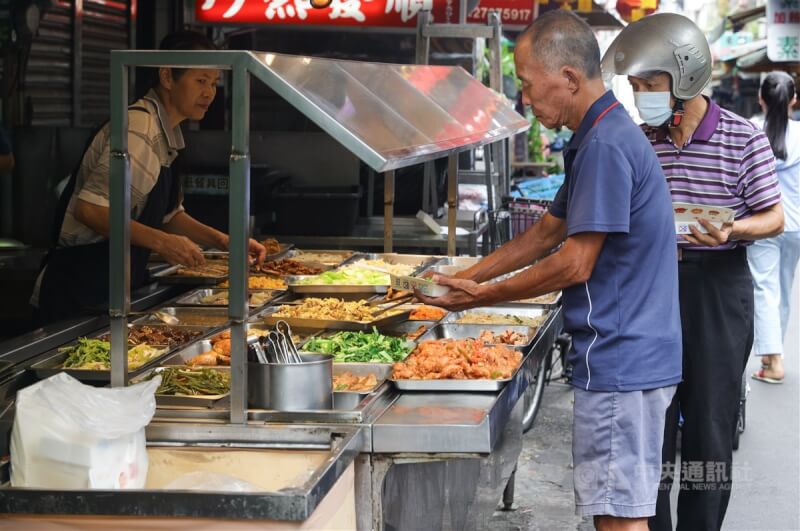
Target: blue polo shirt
(625, 321)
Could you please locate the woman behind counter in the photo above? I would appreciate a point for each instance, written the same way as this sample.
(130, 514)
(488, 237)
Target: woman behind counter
(75, 277)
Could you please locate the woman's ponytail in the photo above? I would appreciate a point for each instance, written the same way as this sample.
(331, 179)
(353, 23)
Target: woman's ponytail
(777, 91)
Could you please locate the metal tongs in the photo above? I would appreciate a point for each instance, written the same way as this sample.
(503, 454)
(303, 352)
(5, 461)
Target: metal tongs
(277, 346)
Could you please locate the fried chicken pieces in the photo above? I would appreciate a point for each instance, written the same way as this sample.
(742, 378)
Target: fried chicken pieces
(220, 353)
(462, 359)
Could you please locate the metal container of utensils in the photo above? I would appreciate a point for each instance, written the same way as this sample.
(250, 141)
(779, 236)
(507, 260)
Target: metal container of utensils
(283, 379)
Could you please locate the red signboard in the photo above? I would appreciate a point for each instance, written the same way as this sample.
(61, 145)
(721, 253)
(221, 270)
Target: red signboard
(360, 13)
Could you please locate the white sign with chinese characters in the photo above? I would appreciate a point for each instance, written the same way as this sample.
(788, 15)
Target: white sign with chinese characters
(783, 30)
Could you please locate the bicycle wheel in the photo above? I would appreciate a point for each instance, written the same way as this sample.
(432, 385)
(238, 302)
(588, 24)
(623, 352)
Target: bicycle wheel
(533, 394)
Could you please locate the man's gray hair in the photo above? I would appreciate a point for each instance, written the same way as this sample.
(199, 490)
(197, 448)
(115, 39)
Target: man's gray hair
(560, 38)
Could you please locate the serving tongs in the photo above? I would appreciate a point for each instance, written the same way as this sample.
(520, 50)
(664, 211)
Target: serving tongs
(277, 346)
(394, 304)
(161, 315)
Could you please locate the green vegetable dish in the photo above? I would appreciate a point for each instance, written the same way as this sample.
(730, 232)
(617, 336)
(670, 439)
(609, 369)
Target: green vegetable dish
(361, 347)
(348, 277)
(95, 354)
(192, 382)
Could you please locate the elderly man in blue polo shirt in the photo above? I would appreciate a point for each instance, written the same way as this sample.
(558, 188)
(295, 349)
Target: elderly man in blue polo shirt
(617, 267)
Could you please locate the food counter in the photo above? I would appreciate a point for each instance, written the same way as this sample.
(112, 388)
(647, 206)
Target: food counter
(367, 461)
(389, 441)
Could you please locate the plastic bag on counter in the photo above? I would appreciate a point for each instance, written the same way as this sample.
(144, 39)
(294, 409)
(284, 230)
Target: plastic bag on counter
(211, 482)
(68, 435)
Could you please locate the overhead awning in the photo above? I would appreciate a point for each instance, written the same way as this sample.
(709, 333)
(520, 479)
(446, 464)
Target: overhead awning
(391, 116)
(757, 61)
(740, 18)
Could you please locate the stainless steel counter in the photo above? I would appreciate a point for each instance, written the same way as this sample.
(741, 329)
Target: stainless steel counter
(459, 422)
(289, 504)
(463, 445)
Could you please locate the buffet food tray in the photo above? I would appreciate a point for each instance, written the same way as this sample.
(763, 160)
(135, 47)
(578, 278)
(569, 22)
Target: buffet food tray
(420, 261)
(455, 386)
(462, 261)
(540, 301)
(464, 331)
(322, 324)
(195, 298)
(349, 400)
(168, 276)
(180, 357)
(52, 365)
(333, 289)
(342, 257)
(520, 310)
(407, 327)
(203, 330)
(194, 401)
(207, 317)
(214, 254)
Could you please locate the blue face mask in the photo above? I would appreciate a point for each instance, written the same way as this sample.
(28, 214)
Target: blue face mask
(654, 107)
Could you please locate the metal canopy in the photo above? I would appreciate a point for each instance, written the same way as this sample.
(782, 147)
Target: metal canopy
(391, 116)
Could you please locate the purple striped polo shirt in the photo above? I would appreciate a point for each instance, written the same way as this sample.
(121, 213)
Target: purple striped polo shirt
(727, 162)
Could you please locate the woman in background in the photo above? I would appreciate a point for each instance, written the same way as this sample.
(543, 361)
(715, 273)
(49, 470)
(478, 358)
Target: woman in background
(773, 261)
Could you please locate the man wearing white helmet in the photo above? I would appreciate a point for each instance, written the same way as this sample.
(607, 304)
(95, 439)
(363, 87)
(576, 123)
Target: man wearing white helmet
(711, 157)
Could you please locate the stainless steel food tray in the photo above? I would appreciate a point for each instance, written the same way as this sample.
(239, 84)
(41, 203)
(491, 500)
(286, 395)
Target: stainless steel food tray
(219, 315)
(168, 276)
(322, 324)
(182, 356)
(348, 400)
(195, 298)
(332, 289)
(421, 261)
(405, 328)
(196, 401)
(344, 256)
(464, 331)
(384, 364)
(521, 310)
(455, 386)
(556, 301)
(52, 365)
(463, 261)
(202, 329)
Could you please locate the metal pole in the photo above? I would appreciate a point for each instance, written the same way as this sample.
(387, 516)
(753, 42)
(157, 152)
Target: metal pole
(239, 206)
(423, 42)
(77, 61)
(496, 83)
(423, 50)
(488, 169)
(120, 220)
(388, 210)
(462, 12)
(452, 202)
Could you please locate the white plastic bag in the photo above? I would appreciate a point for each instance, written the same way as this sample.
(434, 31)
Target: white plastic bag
(68, 435)
(211, 482)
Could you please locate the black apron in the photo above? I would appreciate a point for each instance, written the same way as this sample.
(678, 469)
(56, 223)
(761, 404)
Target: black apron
(76, 279)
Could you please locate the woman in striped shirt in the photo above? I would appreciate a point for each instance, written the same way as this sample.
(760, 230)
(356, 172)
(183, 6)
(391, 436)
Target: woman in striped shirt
(773, 261)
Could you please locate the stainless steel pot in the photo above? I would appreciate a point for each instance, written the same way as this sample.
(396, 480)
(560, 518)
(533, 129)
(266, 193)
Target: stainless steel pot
(292, 386)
